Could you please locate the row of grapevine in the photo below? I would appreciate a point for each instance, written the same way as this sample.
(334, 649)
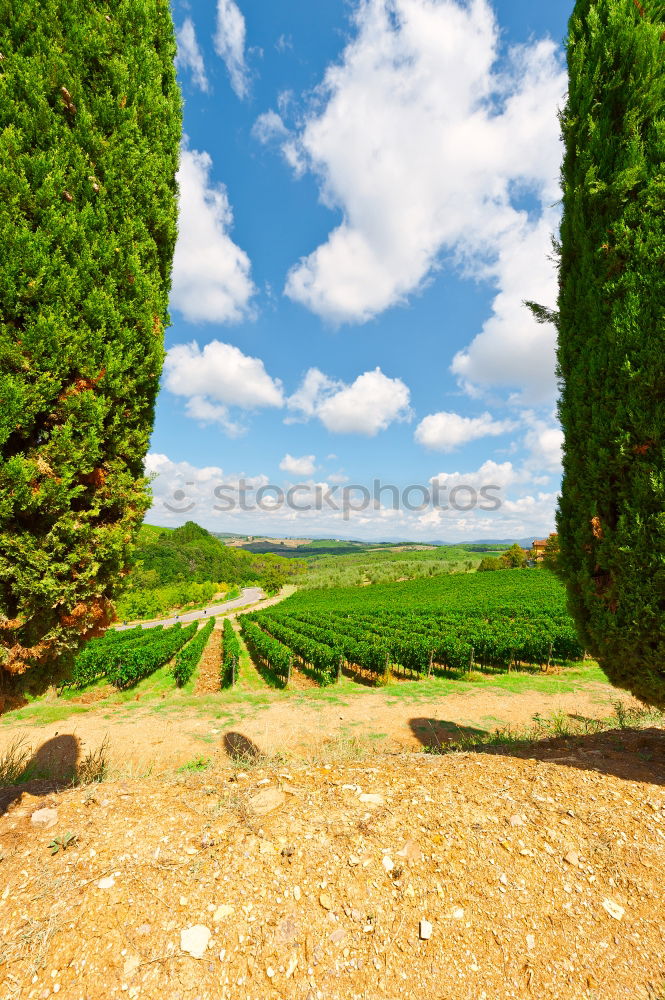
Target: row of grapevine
(498, 643)
(100, 654)
(266, 650)
(188, 658)
(230, 655)
(124, 664)
(324, 660)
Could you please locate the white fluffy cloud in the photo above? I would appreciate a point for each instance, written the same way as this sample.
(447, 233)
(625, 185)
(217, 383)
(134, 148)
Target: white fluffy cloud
(303, 466)
(190, 56)
(230, 44)
(513, 350)
(217, 377)
(490, 473)
(425, 140)
(544, 441)
(369, 405)
(211, 275)
(183, 491)
(447, 431)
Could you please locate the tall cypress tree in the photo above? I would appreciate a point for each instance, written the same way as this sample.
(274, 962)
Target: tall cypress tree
(612, 339)
(90, 119)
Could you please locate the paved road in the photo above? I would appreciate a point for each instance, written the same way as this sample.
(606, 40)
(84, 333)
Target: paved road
(250, 595)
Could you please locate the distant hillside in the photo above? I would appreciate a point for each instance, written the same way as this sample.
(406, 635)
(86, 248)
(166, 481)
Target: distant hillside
(190, 554)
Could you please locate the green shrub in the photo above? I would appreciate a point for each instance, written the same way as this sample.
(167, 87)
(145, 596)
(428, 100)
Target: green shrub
(90, 128)
(611, 518)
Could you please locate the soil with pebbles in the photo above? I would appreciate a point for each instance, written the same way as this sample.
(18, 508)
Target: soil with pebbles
(466, 877)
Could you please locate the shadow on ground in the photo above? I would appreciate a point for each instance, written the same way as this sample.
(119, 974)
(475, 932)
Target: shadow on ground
(436, 733)
(241, 749)
(632, 754)
(53, 766)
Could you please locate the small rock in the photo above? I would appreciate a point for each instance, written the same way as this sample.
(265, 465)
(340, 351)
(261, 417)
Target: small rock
(457, 913)
(270, 972)
(530, 942)
(388, 863)
(410, 851)
(45, 818)
(296, 892)
(223, 912)
(338, 936)
(353, 860)
(425, 930)
(516, 820)
(293, 965)
(131, 965)
(572, 858)
(613, 909)
(371, 798)
(106, 883)
(266, 801)
(325, 901)
(194, 940)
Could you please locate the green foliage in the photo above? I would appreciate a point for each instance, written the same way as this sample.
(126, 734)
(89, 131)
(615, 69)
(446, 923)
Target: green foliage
(325, 660)
(493, 622)
(143, 604)
(514, 558)
(191, 554)
(230, 655)
(125, 662)
(611, 519)
(489, 563)
(268, 651)
(89, 135)
(188, 658)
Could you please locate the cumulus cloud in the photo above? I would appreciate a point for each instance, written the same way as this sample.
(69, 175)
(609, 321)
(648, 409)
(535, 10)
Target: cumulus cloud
(183, 491)
(490, 473)
(189, 55)
(513, 350)
(211, 275)
(303, 466)
(268, 127)
(447, 431)
(369, 405)
(544, 441)
(426, 136)
(217, 377)
(230, 44)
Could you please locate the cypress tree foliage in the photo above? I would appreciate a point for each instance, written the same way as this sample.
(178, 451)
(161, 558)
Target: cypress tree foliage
(90, 120)
(611, 519)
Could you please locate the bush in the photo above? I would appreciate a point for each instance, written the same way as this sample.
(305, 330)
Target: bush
(89, 136)
(611, 360)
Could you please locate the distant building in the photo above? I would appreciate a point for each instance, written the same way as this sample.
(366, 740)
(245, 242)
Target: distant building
(539, 547)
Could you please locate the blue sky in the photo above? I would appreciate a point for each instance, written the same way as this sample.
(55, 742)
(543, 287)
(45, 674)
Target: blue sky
(368, 191)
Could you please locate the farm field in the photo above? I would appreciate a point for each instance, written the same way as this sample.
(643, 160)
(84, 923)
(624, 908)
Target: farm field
(364, 666)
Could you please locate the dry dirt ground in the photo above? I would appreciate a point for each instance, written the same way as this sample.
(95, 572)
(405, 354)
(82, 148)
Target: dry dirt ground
(145, 737)
(464, 877)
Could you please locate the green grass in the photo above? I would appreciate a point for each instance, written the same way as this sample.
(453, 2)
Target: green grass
(159, 694)
(196, 765)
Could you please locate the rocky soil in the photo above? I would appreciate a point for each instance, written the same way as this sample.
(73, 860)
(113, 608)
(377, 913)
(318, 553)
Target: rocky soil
(466, 877)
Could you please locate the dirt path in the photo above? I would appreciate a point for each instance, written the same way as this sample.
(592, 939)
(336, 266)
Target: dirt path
(207, 674)
(168, 733)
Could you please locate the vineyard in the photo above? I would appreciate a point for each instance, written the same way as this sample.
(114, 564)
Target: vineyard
(494, 622)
